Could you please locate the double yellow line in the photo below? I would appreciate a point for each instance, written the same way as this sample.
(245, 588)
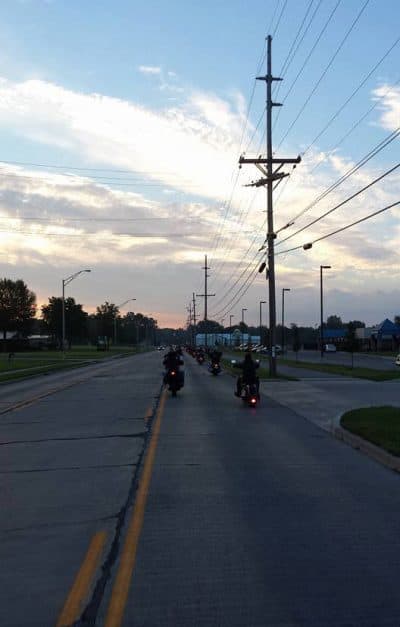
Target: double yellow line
(119, 595)
(74, 604)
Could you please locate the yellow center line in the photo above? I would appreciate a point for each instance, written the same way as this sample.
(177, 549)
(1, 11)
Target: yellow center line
(149, 414)
(121, 586)
(74, 604)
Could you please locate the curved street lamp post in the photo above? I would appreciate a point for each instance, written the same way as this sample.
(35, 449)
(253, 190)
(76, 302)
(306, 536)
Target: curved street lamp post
(64, 283)
(115, 318)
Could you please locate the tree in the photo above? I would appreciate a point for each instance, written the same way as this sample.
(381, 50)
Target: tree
(334, 322)
(209, 326)
(357, 324)
(17, 306)
(75, 318)
(397, 320)
(106, 314)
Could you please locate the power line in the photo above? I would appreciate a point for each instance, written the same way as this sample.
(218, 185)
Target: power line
(94, 181)
(290, 56)
(344, 202)
(343, 228)
(376, 150)
(325, 71)
(279, 19)
(346, 102)
(308, 57)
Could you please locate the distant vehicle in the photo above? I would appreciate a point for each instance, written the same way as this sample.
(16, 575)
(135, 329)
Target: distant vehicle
(101, 343)
(397, 360)
(264, 350)
(329, 348)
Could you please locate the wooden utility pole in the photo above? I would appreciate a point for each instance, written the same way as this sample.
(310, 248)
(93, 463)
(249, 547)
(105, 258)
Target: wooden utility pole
(194, 319)
(271, 178)
(206, 295)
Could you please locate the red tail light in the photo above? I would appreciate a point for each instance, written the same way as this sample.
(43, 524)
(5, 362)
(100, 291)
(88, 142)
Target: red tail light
(173, 373)
(254, 401)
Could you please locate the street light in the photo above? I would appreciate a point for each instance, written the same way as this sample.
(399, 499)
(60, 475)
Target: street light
(243, 310)
(230, 328)
(285, 289)
(262, 302)
(115, 318)
(322, 309)
(64, 283)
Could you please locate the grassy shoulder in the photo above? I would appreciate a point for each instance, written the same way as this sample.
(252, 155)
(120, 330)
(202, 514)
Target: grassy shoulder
(29, 364)
(379, 425)
(346, 371)
(263, 373)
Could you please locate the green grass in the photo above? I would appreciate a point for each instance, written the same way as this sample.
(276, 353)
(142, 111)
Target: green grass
(379, 425)
(24, 365)
(346, 371)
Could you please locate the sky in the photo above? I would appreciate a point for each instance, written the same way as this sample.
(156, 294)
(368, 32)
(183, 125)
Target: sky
(121, 127)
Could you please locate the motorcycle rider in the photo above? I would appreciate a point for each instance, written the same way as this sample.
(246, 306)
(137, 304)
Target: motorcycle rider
(200, 354)
(172, 361)
(248, 376)
(215, 356)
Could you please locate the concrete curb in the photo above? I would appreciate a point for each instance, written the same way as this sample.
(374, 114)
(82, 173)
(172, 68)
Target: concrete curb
(377, 453)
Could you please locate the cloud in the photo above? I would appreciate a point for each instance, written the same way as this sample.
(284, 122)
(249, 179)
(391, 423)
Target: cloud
(149, 69)
(187, 195)
(390, 106)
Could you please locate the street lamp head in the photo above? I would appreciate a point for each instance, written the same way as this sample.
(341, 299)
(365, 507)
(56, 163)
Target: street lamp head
(325, 267)
(87, 270)
(263, 302)
(286, 289)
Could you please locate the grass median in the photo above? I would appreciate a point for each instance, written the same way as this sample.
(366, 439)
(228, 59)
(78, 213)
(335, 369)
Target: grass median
(379, 425)
(345, 371)
(29, 364)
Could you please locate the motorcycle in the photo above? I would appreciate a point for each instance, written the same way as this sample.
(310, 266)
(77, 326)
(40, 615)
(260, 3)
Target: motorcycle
(172, 379)
(200, 360)
(250, 394)
(214, 368)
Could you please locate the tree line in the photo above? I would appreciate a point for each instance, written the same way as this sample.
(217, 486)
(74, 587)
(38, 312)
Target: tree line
(18, 313)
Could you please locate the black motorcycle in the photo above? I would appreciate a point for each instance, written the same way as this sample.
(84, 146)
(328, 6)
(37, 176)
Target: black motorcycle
(173, 380)
(250, 394)
(214, 368)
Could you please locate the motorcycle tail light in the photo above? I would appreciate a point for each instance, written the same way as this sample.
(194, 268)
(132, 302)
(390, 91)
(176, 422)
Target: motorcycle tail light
(173, 373)
(253, 400)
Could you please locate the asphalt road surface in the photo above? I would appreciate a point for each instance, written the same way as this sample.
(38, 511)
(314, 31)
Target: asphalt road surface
(243, 517)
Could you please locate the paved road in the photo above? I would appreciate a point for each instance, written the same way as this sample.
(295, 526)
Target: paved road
(253, 517)
(67, 466)
(257, 517)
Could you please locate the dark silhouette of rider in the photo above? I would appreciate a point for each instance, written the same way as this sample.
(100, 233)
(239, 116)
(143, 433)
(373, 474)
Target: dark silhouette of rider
(249, 376)
(215, 356)
(172, 359)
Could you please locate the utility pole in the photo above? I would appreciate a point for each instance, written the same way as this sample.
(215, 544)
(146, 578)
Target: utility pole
(189, 321)
(194, 318)
(271, 178)
(206, 295)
